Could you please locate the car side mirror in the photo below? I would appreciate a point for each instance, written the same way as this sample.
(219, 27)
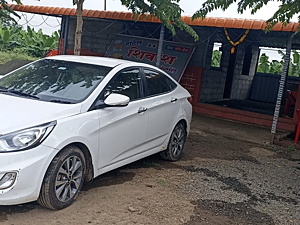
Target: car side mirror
(116, 100)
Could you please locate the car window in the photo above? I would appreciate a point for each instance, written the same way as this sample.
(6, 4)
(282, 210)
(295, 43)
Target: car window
(127, 82)
(158, 83)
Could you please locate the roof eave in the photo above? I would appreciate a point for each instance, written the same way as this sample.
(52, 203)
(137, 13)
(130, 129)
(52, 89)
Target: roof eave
(208, 22)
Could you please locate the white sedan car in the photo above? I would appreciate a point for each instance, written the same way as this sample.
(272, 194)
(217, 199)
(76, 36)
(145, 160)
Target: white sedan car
(67, 119)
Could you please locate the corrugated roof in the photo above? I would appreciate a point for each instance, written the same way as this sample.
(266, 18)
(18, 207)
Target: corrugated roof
(209, 22)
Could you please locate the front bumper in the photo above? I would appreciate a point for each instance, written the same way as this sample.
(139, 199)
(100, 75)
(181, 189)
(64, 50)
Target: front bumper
(30, 166)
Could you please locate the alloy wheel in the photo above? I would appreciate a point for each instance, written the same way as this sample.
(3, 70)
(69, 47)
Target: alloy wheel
(68, 179)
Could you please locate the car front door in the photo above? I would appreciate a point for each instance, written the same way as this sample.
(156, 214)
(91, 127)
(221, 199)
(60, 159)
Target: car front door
(123, 130)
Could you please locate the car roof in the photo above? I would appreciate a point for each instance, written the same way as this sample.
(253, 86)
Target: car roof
(96, 60)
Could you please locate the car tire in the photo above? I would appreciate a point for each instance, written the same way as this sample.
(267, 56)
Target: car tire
(63, 180)
(176, 144)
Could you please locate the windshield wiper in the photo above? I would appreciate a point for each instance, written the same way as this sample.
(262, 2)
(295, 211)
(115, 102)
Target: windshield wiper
(61, 101)
(21, 93)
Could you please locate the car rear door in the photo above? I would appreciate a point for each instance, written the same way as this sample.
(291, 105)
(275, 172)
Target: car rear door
(163, 106)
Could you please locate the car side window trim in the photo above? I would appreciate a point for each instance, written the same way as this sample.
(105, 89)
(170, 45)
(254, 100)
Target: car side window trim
(102, 93)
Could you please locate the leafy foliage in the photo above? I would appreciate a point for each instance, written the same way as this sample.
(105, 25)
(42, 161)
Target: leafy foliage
(6, 11)
(5, 19)
(34, 43)
(264, 64)
(276, 67)
(168, 11)
(216, 58)
(38, 43)
(284, 13)
(294, 69)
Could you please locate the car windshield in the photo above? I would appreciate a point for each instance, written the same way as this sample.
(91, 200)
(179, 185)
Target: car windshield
(54, 80)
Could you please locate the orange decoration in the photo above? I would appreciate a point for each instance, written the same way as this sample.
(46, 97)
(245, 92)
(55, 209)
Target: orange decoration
(232, 50)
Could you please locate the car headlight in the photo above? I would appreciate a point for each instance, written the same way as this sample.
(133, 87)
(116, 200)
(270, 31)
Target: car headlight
(26, 138)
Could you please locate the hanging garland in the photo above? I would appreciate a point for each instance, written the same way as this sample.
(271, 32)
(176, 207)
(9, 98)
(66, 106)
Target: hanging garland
(235, 43)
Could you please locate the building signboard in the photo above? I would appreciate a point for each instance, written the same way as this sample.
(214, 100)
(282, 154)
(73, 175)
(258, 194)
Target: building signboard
(174, 58)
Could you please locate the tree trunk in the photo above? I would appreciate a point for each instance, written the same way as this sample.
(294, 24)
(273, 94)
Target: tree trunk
(78, 33)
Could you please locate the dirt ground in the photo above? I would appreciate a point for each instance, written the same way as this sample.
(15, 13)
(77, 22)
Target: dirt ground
(228, 175)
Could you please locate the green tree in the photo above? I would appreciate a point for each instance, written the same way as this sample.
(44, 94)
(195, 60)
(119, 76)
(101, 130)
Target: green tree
(264, 64)
(6, 11)
(14, 38)
(294, 69)
(6, 21)
(276, 67)
(216, 58)
(36, 43)
(168, 11)
(286, 11)
(9, 37)
(294, 66)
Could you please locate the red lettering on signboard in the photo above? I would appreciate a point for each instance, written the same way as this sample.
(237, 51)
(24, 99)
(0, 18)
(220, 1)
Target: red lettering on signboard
(138, 54)
(134, 51)
(167, 59)
(151, 56)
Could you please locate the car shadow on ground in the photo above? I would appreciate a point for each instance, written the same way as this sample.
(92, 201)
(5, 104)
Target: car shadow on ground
(23, 208)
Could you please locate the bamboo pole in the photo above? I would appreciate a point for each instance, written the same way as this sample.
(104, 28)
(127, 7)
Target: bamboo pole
(281, 88)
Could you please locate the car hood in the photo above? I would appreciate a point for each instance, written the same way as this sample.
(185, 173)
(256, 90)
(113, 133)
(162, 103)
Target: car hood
(18, 113)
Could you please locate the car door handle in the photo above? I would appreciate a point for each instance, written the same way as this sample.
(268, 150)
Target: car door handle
(173, 99)
(142, 109)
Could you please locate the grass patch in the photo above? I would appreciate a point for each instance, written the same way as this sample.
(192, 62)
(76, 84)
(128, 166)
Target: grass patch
(6, 56)
(162, 182)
